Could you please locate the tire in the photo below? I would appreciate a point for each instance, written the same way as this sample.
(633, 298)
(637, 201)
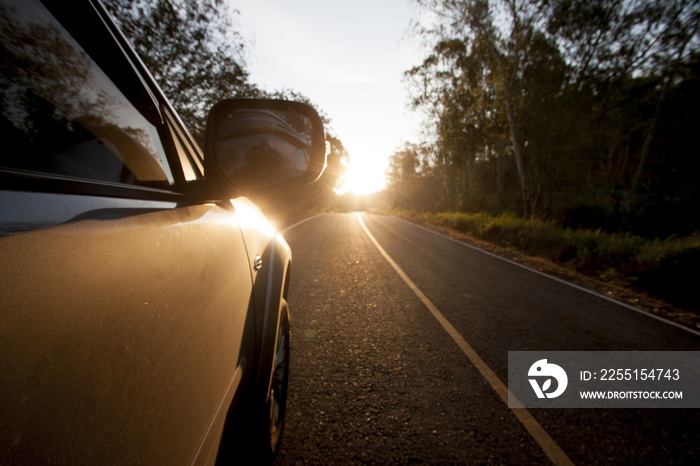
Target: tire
(269, 414)
(256, 432)
(276, 399)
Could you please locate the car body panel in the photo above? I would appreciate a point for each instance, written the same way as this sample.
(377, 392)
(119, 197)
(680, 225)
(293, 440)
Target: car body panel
(141, 314)
(270, 282)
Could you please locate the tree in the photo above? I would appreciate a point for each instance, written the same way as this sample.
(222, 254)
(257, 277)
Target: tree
(579, 89)
(626, 57)
(497, 38)
(192, 50)
(402, 176)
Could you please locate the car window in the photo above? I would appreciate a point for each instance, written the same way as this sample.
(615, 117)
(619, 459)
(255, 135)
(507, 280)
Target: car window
(61, 114)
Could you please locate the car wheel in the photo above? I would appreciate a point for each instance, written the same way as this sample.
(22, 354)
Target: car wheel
(276, 400)
(257, 429)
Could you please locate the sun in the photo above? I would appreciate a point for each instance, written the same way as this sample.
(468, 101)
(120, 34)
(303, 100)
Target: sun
(363, 176)
(369, 141)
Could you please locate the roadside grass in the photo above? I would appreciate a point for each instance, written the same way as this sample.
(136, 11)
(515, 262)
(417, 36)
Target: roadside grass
(663, 268)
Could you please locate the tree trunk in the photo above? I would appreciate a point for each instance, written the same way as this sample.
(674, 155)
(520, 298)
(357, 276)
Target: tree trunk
(519, 159)
(499, 173)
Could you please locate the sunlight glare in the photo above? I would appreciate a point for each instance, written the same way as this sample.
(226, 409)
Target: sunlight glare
(369, 141)
(364, 175)
(250, 217)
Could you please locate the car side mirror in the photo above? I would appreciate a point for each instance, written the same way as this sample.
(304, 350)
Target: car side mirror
(253, 145)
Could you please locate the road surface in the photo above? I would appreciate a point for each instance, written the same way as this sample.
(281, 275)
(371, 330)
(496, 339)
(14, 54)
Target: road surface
(377, 378)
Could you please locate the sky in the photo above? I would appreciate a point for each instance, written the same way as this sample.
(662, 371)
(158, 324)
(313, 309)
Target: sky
(348, 58)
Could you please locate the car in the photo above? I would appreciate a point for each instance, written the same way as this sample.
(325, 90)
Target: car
(143, 296)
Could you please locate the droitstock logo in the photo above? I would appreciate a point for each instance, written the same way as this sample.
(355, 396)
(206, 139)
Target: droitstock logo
(544, 371)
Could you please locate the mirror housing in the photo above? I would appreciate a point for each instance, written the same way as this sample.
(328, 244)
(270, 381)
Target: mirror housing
(255, 145)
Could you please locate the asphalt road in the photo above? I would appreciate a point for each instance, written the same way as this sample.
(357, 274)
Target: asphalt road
(375, 378)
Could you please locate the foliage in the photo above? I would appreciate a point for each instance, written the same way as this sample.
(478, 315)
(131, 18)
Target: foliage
(192, 50)
(580, 111)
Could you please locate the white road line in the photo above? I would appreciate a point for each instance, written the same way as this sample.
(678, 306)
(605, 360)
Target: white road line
(543, 439)
(300, 222)
(573, 285)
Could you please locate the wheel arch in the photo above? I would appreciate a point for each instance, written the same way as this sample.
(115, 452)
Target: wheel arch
(271, 289)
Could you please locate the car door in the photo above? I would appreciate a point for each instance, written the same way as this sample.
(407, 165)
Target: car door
(124, 301)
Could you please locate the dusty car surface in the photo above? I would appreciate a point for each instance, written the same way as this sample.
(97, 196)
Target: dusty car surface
(143, 313)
